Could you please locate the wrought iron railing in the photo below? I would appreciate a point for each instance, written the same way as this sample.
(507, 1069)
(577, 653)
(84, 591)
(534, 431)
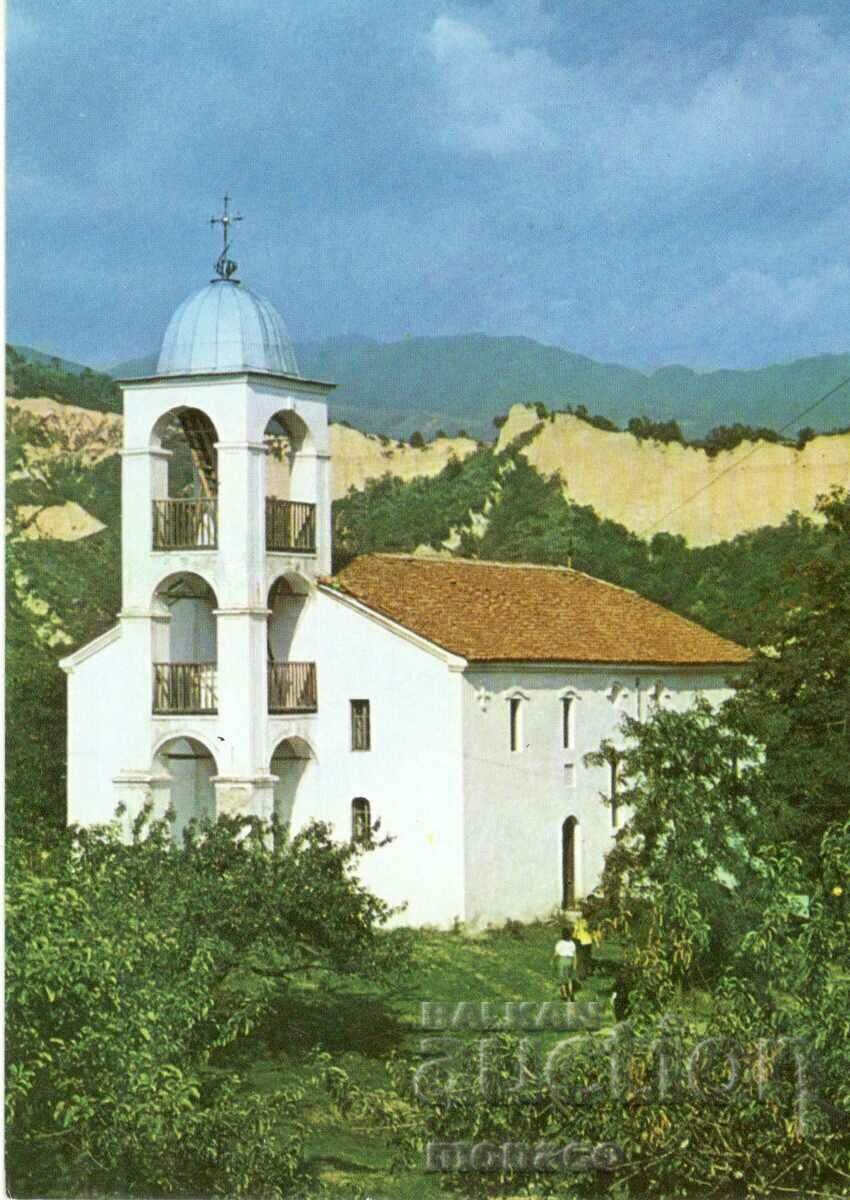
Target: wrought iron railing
(290, 525)
(292, 687)
(184, 688)
(185, 524)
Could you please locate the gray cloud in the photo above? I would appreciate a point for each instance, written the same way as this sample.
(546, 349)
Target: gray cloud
(633, 182)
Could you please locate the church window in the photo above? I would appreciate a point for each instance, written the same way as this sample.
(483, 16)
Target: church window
(361, 821)
(614, 770)
(567, 721)
(361, 731)
(515, 710)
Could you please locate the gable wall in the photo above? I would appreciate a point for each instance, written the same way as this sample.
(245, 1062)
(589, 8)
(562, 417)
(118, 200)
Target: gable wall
(97, 703)
(412, 774)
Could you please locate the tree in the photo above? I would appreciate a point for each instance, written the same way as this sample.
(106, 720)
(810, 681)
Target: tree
(677, 884)
(134, 970)
(795, 700)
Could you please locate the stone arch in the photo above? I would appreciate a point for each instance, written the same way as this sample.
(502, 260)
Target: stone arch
(162, 586)
(288, 598)
(184, 767)
(288, 580)
(289, 459)
(293, 765)
(196, 735)
(185, 603)
(188, 436)
(184, 645)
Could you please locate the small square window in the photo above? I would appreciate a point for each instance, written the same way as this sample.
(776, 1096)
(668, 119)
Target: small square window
(361, 731)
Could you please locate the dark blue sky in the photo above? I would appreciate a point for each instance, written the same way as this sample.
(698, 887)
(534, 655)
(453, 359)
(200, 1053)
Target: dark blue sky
(643, 182)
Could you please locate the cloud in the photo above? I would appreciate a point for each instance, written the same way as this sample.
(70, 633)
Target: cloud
(652, 117)
(638, 182)
(495, 102)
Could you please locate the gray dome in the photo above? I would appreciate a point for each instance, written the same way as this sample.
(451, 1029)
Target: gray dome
(226, 327)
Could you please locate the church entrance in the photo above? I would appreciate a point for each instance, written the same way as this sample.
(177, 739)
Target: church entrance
(569, 848)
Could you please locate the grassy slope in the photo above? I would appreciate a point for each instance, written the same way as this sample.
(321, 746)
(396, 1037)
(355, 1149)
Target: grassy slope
(361, 1030)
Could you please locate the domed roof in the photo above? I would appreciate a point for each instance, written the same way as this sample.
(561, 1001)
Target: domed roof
(226, 327)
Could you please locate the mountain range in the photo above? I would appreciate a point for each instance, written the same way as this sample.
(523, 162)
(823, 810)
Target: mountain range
(463, 382)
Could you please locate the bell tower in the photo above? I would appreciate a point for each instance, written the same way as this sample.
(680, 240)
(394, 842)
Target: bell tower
(226, 525)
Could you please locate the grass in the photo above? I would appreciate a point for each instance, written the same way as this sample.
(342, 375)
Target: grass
(361, 1029)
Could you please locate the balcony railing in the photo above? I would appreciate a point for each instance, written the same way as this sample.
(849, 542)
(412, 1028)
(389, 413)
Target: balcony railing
(185, 524)
(292, 687)
(184, 688)
(290, 525)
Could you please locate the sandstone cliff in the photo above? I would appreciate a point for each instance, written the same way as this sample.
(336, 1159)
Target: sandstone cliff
(645, 485)
(651, 486)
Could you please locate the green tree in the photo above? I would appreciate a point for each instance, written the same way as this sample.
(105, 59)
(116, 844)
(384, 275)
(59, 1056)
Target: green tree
(134, 970)
(796, 699)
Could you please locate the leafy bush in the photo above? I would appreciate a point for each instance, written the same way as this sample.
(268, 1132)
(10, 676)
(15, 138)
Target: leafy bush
(134, 968)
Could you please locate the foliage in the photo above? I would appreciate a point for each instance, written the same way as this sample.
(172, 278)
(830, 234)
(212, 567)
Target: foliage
(389, 514)
(133, 968)
(796, 699)
(594, 419)
(683, 879)
(59, 594)
(89, 389)
(658, 431)
(727, 437)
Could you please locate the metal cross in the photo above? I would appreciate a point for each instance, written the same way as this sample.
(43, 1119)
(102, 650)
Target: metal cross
(225, 267)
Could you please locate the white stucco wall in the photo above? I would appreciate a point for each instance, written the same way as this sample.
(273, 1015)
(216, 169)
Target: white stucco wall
(516, 802)
(411, 776)
(96, 742)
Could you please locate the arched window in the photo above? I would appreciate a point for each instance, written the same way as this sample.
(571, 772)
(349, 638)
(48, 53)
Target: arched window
(361, 821)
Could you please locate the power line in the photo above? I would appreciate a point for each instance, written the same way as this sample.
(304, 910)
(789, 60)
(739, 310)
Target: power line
(758, 446)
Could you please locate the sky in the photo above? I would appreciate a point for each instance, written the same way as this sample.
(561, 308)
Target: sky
(642, 182)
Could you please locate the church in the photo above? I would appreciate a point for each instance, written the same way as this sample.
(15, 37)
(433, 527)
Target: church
(450, 700)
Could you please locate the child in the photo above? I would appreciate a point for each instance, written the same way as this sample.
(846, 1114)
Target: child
(565, 958)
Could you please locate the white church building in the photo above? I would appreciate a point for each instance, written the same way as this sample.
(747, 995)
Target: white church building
(452, 700)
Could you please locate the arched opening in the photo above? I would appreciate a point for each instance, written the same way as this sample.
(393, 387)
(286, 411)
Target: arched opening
(290, 484)
(361, 821)
(185, 645)
(292, 681)
(569, 862)
(185, 484)
(292, 764)
(185, 769)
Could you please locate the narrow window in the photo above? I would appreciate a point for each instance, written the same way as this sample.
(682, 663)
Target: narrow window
(614, 769)
(361, 732)
(361, 821)
(567, 703)
(516, 732)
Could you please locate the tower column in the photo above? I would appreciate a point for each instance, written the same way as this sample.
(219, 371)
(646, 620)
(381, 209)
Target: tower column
(242, 702)
(241, 523)
(144, 478)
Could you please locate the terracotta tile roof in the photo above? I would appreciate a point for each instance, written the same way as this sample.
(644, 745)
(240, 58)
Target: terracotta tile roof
(516, 612)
